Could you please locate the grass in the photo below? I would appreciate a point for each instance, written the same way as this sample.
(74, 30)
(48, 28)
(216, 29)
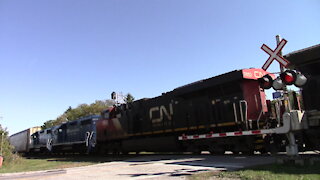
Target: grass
(267, 172)
(45, 163)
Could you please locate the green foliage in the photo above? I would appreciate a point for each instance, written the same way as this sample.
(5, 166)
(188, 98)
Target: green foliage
(29, 164)
(266, 172)
(129, 98)
(277, 171)
(82, 110)
(6, 148)
(49, 123)
(55, 162)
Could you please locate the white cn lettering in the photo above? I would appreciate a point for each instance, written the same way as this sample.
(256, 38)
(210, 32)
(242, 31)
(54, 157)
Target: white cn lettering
(258, 74)
(162, 110)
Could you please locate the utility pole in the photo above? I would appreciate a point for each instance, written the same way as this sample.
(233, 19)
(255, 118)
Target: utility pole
(2, 134)
(285, 90)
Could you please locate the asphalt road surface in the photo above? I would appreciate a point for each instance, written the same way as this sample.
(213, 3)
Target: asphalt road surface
(147, 167)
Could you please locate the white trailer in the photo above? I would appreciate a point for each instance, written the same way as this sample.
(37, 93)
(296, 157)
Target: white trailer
(22, 141)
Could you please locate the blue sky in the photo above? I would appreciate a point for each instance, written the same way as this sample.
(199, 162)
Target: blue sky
(56, 54)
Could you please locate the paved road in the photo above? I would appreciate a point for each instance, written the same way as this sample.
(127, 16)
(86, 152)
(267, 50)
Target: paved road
(148, 167)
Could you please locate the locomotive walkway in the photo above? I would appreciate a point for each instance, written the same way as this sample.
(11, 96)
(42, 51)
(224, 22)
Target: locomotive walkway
(148, 167)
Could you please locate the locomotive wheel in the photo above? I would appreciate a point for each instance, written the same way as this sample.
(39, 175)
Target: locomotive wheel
(102, 151)
(124, 152)
(115, 152)
(263, 151)
(248, 152)
(272, 144)
(196, 151)
(273, 149)
(216, 150)
(235, 152)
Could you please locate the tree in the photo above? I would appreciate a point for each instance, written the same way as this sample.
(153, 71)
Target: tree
(48, 124)
(129, 98)
(80, 111)
(6, 148)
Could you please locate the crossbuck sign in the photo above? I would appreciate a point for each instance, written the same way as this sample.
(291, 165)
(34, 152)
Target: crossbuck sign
(275, 55)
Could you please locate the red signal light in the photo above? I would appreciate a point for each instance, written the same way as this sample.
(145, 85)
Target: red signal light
(288, 77)
(265, 82)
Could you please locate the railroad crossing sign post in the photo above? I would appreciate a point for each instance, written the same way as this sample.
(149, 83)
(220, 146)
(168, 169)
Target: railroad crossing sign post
(292, 148)
(275, 55)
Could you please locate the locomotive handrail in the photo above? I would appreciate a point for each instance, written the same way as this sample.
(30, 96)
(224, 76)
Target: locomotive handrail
(244, 115)
(279, 130)
(258, 120)
(235, 113)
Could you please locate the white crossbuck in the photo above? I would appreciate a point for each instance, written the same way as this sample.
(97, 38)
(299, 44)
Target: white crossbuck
(274, 55)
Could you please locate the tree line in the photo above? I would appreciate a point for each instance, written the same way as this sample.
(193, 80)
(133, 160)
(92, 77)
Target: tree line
(83, 110)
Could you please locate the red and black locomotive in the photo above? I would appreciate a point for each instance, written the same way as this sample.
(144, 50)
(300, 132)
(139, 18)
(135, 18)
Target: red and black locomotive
(228, 102)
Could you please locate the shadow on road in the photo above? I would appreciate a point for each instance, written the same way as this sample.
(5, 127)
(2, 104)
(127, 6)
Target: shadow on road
(176, 173)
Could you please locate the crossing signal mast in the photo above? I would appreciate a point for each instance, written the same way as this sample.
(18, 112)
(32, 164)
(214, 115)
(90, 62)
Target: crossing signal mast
(286, 77)
(291, 119)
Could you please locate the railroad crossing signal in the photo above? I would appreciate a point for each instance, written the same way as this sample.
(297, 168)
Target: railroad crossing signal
(288, 77)
(274, 55)
(265, 82)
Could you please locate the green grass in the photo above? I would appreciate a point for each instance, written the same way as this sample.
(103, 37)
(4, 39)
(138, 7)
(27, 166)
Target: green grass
(267, 172)
(45, 163)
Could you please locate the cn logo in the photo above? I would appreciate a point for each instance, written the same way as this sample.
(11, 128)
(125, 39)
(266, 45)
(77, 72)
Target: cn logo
(157, 113)
(258, 74)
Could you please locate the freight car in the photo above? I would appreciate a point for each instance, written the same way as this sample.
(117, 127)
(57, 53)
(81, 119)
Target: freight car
(22, 141)
(228, 102)
(72, 136)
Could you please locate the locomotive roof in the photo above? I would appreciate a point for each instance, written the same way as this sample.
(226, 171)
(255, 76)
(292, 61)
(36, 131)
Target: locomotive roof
(204, 83)
(229, 77)
(80, 119)
(83, 118)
